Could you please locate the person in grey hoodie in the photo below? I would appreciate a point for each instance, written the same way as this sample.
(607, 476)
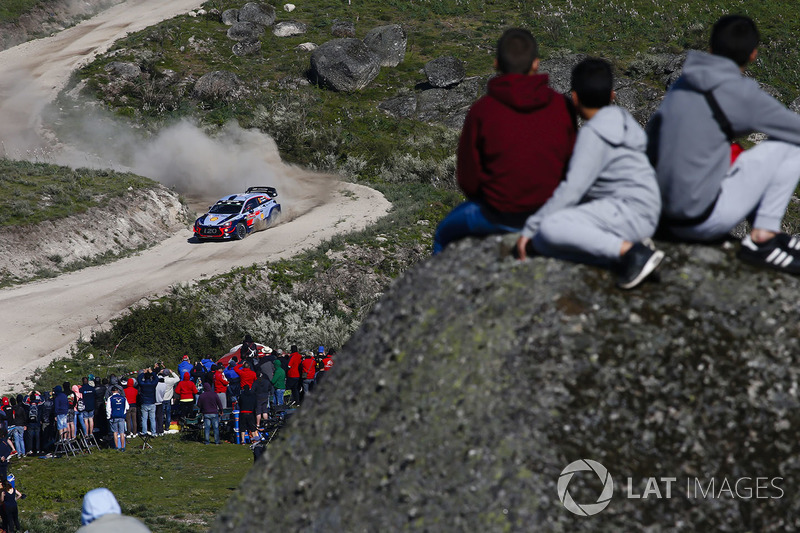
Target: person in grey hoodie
(609, 202)
(706, 190)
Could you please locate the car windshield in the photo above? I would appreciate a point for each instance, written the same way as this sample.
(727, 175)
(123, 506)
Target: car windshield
(226, 208)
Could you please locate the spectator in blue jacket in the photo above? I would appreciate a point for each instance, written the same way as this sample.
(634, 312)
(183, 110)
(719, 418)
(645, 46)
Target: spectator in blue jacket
(148, 381)
(60, 409)
(89, 405)
(185, 366)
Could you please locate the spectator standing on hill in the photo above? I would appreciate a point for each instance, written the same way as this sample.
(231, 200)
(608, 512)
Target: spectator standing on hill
(171, 379)
(246, 374)
(61, 411)
(185, 366)
(148, 381)
(100, 420)
(263, 390)
(19, 423)
(308, 371)
(514, 146)
(72, 399)
(132, 416)
(117, 408)
(101, 514)
(33, 442)
(220, 385)
(247, 417)
(186, 391)
(89, 405)
(234, 382)
(293, 374)
(708, 186)
(209, 404)
(6, 451)
(279, 381)
(8, 499)
(248, 350)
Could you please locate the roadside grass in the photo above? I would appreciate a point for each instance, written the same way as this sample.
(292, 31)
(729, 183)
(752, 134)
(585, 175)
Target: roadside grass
(34, 192)
(10, 10)
(177, 487)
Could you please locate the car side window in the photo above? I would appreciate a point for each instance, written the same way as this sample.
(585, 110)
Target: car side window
(251, 204)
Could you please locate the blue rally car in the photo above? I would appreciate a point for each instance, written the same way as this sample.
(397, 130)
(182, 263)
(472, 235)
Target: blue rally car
(235, 216)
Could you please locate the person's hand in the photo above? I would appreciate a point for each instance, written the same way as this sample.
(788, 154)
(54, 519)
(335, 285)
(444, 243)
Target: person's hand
(522, 242)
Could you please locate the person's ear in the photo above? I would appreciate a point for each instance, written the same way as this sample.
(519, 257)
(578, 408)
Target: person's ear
(575, 100)
(534, 66)
(495, 65)
(613, 95)
(753, 55)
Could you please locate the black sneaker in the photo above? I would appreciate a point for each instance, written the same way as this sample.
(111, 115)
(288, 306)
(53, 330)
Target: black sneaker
(638, 263)
(782, 252)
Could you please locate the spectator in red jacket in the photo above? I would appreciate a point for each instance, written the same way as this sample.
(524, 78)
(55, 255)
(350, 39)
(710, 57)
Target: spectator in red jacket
(220, 385)
(186, 391)
(246, 374)
(308, 371)
(514, 147)
(131, 394)
(293, 374)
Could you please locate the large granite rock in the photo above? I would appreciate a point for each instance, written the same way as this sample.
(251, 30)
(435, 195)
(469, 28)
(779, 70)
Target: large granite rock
(257, 13)
(219, 85)
(344, 65)
(389, 42)
(444, 71)
(474, 382)
(245, 31)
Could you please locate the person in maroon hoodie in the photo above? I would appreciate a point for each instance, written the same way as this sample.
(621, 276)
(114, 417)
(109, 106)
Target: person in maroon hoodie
(293, 382)
(132, 395)
(514, 147)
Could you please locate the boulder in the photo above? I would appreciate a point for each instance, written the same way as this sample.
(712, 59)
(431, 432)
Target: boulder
(289, 28)
(437, 105)
(344, 65)
(307, 47)
(219, 85)
(389, 42)
(401, 106)
(124, 70)
(257, 13)
(343, 29)
(245, 31)
(444, 71)
(230, 17)
(289, 7)
(474, 382)
(246, 48)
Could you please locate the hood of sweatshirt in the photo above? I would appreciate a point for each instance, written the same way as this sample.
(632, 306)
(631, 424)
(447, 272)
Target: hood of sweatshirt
(521, 92)
(705, 72)
(57, 389)
(130, 382)
(96, 503)
(277, 363)
(618, 128)
(186, 376)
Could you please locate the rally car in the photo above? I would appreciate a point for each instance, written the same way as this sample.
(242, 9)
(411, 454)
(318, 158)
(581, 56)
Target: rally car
(235, 216)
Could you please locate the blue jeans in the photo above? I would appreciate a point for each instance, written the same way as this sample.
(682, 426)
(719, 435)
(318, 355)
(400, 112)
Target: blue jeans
(18, 434)
(148, 415)
(208, 421)
(464, 220)
(279, 396)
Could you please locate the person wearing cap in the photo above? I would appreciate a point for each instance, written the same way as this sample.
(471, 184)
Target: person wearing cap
(211, 408)
(293, 374)
(220, 384)
(170, 379)
(117, 407)
(308, 371)
(101, 513)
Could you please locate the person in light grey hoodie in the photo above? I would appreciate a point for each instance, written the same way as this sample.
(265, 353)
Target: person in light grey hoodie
(706, 190)
(609, 202)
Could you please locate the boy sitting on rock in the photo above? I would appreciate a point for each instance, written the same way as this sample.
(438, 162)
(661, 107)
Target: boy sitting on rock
(609, 202)
(514, 146)
(705, 195)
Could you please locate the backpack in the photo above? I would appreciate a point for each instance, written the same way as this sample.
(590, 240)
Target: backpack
(33, 413)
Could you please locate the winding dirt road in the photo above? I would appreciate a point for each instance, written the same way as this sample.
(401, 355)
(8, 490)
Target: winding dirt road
(41, 320)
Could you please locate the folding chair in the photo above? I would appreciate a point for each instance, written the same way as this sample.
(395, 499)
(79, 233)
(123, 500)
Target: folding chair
(146, 440)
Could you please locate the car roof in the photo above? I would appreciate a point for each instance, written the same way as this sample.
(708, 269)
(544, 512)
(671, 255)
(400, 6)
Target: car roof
(252, 192)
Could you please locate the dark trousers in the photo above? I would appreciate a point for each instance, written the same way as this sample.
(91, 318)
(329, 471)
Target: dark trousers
(159, 418)
(131, 420)
(293, 384)
(33, 437)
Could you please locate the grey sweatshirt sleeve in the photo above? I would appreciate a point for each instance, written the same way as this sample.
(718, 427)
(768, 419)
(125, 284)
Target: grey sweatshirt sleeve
(588, 159)
(768, 115)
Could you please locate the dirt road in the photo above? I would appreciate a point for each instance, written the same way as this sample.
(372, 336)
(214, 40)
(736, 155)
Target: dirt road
(40, 321)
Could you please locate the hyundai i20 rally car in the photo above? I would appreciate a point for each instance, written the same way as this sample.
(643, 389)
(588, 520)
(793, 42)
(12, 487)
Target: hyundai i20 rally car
(235, 216)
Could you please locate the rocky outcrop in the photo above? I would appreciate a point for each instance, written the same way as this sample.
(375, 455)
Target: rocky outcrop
(139, 219)
(474, 382)
(245, 31)
(230, 17)
(218, 85)
(389, 42)
(246, 48)
(123, 70)
(447, 106)
(257, 13)
(344, 65)
(444, 71)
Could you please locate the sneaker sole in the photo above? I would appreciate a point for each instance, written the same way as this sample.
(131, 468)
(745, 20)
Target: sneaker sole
(648, 269)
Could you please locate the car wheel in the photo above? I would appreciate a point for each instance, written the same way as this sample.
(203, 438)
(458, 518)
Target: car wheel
(273, 217)
(241, 231)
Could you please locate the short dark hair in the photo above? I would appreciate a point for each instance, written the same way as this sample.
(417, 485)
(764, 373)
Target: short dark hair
(734, 37)
(593, 81)
(516, 51)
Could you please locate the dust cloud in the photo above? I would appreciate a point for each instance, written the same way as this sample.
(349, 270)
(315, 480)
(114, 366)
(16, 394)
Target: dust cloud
(202, 165)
